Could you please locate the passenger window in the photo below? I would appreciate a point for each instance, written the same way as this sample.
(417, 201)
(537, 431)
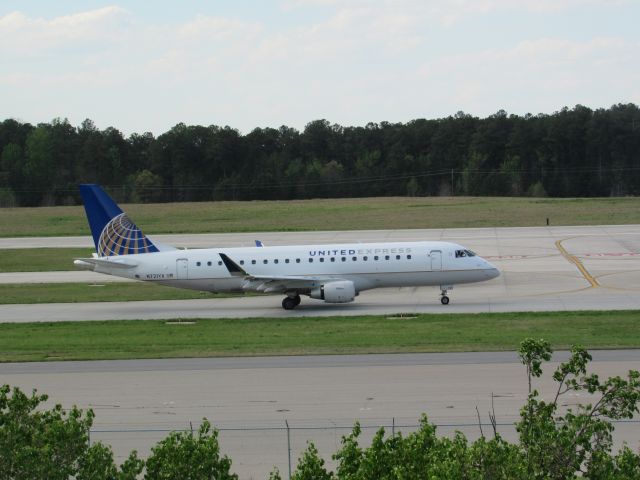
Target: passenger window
(365, 258)
(197, 264)
(397, 257)
(286, 260)
(253, 262)
(321, 259)
(297, 260)
(344, 259)
(333, 259)
(386, 257)
(354, 258)
(265, 261)
(311, 260)
(220, 263)
(241, 262)
(376, 257)
(208, 264)
(408, 257)
(275, 261)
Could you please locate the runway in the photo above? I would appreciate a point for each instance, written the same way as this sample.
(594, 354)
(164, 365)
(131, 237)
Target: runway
(543, 269)
(137, 402)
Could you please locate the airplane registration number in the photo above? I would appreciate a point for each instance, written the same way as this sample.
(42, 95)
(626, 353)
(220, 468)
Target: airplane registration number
(159, 276)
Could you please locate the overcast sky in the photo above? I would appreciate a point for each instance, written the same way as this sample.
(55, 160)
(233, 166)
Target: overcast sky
(147, 65)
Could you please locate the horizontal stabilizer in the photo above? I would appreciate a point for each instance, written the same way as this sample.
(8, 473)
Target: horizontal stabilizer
(82, 265)
(112, 262)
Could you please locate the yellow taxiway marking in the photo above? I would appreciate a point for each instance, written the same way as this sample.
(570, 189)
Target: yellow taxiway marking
(585, 273)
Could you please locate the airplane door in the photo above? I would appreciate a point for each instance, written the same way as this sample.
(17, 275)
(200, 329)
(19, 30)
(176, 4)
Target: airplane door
(182, 267)
(436, 260)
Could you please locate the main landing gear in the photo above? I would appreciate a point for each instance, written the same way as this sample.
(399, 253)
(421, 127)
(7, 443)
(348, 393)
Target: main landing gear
(289, 303)
(443, 294)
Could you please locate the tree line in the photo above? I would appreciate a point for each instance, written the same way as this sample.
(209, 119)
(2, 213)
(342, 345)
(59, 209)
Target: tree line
(559, 438)
(577, 152)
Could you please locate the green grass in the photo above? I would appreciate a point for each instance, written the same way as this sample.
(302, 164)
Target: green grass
(107, 292)
(332, 214)
(325, 335)
(40, 259)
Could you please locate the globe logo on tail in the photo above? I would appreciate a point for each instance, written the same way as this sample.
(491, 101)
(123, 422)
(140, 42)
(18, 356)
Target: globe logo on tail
(121, 237)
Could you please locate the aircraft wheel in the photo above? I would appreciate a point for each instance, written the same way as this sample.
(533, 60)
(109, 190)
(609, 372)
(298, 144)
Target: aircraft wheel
(444, 300)
(297, 299)
(289, 303)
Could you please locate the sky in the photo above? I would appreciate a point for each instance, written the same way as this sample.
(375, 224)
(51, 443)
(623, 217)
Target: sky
(147, 65)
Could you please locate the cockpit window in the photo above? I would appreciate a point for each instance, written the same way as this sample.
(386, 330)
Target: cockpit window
(460, 253)
(470, 253)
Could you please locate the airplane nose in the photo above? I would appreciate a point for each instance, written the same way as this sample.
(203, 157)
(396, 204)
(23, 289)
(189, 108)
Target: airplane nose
(492, 272)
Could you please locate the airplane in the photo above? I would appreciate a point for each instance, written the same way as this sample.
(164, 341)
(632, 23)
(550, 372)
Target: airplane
(335, 273)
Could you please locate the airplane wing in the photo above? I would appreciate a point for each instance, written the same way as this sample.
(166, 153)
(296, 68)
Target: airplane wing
(285, 283)
(274, 283)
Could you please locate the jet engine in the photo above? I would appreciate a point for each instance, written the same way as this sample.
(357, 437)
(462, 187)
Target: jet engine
(342, 291)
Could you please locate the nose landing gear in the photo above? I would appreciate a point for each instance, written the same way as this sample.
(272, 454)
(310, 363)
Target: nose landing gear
(444, 300)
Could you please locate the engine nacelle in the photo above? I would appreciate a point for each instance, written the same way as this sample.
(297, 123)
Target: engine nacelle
(342, 291)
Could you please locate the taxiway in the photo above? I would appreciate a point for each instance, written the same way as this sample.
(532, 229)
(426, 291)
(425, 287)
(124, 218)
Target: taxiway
(543, 269)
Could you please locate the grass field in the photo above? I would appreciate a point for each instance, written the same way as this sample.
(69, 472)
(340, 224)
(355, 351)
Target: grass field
(40, 259)
(332, 335)
(107, 292)
(333, 214)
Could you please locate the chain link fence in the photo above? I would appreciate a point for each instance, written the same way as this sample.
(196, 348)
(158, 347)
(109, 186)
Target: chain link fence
(257, 450)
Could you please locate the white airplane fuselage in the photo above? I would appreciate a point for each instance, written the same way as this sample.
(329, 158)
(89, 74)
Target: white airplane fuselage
(367, 265)
(333, 273)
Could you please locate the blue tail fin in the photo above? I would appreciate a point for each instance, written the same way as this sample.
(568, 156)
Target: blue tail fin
(113, 232)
